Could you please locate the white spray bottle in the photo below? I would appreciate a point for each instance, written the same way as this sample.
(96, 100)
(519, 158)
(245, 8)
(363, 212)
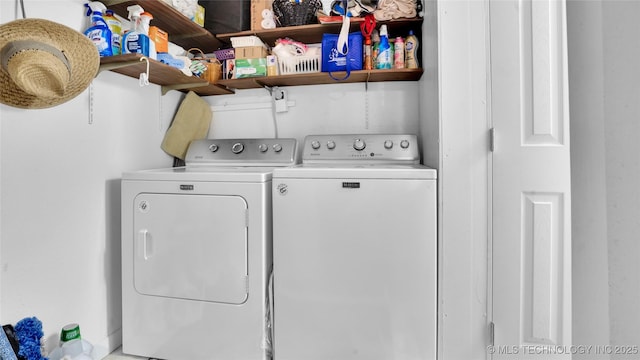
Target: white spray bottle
(135, 40)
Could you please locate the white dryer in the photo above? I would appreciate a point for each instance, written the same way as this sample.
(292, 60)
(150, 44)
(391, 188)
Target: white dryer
(355, 251)
(197, 252)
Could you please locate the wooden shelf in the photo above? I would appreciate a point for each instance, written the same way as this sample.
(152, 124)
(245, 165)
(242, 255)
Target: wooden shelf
(187, 34)
(162, 74)
(312, 33)
(182, 31)
(324, 78)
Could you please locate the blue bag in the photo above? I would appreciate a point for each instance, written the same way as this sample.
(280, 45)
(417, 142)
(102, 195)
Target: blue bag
(342, 52)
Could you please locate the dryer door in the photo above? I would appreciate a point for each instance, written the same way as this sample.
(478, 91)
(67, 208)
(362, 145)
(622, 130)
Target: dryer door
(191, 247)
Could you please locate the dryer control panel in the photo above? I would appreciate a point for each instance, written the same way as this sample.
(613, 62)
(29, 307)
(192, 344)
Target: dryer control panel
(370, 148)
(243, 152)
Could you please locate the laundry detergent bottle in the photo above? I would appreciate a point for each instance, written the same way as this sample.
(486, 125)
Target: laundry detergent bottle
(135, 40)
(98, 31)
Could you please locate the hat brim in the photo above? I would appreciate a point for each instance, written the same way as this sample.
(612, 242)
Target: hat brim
(82, 54)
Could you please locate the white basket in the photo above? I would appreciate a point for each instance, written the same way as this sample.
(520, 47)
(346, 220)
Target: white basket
(299, 64)
(246, 41)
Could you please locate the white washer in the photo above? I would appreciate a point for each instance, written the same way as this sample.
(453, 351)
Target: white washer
(197, 252)
(355, 251)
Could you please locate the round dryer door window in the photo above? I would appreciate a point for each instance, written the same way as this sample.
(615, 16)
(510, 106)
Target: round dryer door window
(191, 247)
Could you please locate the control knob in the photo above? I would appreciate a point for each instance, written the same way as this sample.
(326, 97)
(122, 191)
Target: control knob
(263, 147)
(213, 147)
(404, 144)
(315, 144)
(359, 144)
(388, 144)
(331, 144)
(237, 148)
(277, 148)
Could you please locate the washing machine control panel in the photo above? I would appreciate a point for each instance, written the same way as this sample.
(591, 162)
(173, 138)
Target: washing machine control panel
(243, 152)
(388, 148)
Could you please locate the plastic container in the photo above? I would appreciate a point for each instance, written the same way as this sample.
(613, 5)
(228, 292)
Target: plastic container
(384, 59)
(299, 64)
(398, 53)
(98, 31)
(116, 31)
(411, 44)
(145, 20)
(135, 40)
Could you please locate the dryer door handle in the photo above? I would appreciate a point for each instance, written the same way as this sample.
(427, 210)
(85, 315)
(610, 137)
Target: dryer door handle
(145, 244)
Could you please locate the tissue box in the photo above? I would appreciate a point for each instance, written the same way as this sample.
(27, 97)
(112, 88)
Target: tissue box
(245, 68)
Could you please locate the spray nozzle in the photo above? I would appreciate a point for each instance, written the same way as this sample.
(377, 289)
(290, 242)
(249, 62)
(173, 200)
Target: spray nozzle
(95, 6)
(135, 11)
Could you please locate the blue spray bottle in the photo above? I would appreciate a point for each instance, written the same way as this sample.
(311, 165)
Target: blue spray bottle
(98, 31)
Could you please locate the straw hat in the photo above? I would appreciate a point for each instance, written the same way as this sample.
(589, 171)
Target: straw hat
(43, 63)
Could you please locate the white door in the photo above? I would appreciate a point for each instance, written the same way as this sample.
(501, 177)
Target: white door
(531, 279)
(191, 247)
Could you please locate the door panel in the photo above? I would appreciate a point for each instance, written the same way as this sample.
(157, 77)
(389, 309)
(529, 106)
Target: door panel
(531, 230)
(191, 247)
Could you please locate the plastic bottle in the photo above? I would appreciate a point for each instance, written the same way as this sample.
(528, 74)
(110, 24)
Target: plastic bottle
(411, 51)
(135, 40)
(116, 31)
(384, 50)
(145, 20)
(375, 39)
(398, 53)
(98, 30)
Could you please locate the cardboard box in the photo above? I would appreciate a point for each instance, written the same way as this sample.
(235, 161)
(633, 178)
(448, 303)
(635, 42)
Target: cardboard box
(250, 52)
(245, 68)
(160, 38)
(256, 12)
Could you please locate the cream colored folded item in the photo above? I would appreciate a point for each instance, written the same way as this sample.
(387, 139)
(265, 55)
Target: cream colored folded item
(191, 122)
(395, 9)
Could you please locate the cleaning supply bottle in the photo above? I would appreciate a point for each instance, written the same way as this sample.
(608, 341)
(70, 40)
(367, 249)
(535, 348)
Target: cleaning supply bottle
(384, 50)
(411, 51)
(135, 40)
(116, 31)
(398, 53)
(145, 20)
(98, 30)
(375, 46)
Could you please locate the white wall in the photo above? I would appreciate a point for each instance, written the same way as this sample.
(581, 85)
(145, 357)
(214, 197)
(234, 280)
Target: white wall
(59, 184)
(604, 54)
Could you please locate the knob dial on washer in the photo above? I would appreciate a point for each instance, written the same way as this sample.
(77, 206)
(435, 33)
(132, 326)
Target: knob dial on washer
(213, 147)
(315, 144)
(331, 144)
(388, 144)
(277, 148)
(237, 148)
(263, 147)
(359, 144)
(404, 144)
